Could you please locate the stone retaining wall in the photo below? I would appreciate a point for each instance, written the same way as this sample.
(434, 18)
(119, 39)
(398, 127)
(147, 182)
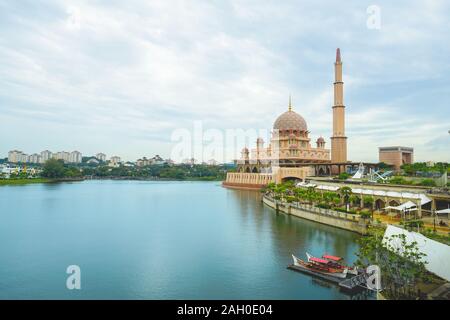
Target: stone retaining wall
(335, 219)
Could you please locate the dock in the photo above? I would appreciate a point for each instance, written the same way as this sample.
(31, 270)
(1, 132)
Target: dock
(351, 283)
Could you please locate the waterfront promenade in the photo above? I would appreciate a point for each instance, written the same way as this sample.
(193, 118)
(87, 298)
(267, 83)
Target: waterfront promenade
(342, 220)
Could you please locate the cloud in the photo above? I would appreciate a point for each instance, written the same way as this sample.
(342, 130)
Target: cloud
(134, 71)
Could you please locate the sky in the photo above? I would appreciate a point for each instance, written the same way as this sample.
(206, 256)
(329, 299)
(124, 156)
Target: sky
(122, 77)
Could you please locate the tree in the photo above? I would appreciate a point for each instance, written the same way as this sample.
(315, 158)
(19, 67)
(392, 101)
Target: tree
(369, 200)
(401, 263)
(311, 194)
(299, 194)
(328, 197)
(384, 166)
(343, 176)
(53, 169)
(345, 193)
(72, 172)
(352, 199)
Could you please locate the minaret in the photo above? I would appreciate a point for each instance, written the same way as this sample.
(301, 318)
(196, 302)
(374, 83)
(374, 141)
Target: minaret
(338, 140)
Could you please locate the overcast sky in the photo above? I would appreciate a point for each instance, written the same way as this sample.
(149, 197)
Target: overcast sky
(120, 76)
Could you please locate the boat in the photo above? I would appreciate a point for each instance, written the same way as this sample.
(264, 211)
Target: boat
(317, 265)
(335, 262)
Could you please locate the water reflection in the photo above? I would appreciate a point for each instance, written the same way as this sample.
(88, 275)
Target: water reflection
(157, 240)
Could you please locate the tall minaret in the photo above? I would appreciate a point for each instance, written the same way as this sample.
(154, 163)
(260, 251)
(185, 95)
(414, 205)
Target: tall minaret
(338, 140)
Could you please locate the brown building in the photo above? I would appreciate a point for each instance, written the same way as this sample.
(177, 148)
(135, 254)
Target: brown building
(396, 156)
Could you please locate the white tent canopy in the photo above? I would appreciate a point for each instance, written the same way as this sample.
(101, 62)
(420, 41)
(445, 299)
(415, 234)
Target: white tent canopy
(373, 192)
(443, 211)
(409, 206)
(437, 254)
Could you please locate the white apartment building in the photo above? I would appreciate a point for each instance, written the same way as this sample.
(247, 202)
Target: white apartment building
(34, 158)
(46, 155)
(75, 157)
(16, 156)
(62, 155)
(114, 161)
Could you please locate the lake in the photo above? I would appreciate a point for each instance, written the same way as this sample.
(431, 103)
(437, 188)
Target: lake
(157, 240)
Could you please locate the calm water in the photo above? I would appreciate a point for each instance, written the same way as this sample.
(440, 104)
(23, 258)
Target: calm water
(156, 240)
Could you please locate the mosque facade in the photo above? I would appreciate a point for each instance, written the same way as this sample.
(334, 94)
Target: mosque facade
(290, 153)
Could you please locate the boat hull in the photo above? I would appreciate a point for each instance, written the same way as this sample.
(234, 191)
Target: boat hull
(350, 270)
(307, 265)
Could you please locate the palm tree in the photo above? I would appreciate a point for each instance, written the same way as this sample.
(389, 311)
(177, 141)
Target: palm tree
(352, 199)
(336, 200)
(299, 194)
(369, 201)
(328, 197)
(346, 192)
(271, 187)
(311, 194)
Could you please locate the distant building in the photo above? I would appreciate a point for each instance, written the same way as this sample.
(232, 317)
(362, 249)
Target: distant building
(62, 155)
(156, 160)
(128, 164)
(46, 155)
(35, 158)
(396, 156)
(190, 161)
(114, 161)
(93, 161)
(212, 162)
(15, 156)
(143, 162)
(101, 156)
(75, 157)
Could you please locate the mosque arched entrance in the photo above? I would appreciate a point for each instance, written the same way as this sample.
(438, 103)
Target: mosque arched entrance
(379, 204)
(293, 179)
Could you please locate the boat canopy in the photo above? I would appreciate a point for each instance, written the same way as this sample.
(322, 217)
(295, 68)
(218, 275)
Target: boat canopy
(334, 258)
(318, 260)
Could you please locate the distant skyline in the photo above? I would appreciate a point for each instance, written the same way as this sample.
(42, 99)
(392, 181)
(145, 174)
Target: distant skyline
(120, 77)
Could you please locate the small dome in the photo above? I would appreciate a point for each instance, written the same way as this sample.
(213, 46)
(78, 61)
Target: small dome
(290, 120)
(321, 139)
(245, 149)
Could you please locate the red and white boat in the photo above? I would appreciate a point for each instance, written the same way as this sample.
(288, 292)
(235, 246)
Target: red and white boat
(321, 266)
(334, 262)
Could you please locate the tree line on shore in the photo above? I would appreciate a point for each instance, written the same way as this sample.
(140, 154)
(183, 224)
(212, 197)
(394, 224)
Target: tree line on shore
(56, 169)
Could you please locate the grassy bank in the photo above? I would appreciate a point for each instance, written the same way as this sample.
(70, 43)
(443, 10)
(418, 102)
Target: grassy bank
(7, 182)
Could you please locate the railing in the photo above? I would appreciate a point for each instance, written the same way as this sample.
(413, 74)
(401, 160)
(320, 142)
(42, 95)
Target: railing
(317, 210)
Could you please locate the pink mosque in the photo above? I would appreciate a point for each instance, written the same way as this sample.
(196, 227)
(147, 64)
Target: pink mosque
(290, 153)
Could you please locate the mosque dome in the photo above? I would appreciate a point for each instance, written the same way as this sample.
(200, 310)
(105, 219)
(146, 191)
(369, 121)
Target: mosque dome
(321, 139)
(290, 120)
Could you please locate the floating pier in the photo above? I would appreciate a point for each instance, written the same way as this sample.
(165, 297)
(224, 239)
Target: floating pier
(352, 283)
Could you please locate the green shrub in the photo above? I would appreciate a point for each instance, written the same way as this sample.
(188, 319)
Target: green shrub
(343, 176)
(365, 214)
(428, 182)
